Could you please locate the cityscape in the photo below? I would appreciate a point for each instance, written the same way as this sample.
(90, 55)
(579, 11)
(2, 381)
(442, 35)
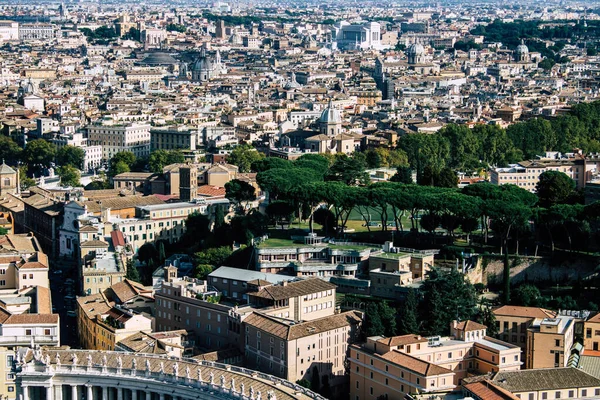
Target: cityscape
(267, 200)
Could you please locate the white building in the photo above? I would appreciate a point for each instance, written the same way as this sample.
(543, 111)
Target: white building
(357, 36)
(114, 138)
(9, 30)
(36, 31)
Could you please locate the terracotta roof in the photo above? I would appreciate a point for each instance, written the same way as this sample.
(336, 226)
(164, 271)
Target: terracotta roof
(294, 289)
(595, 318)
(486, 390)
(525, 312)
(211, 191)
(414, 364)
(120, 203)
(402, 340)
(18, 319)
(469, 325)
(117, 238)
(32, 265)
(88, 228)
(278, 328)
(126, 290)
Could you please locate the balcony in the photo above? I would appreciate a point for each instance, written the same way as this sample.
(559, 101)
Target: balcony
(45, 340)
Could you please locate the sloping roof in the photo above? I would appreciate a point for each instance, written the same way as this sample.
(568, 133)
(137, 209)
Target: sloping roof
(529, 380)
(18, 319)
(525, 312)
(294, 289)
(117, 238)
(414, 364)
(595, 318)
(94, 243)
(469, 325)
(6, 170)
(127, 289)
(486, 390)
(278, 328)
(590, 364)
(402, 340)
(119, 203)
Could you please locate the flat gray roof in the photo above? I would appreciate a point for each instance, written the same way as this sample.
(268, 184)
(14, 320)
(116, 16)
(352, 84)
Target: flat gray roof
(245, 275)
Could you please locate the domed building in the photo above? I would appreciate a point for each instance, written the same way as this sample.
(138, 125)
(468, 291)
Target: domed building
(158, 59)
(522, 53)
(416, 54)
(205, 67)
(330, 122)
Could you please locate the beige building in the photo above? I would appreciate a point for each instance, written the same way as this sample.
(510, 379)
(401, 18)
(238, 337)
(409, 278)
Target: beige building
(7, 375)
(303, 300)
(388, 271)
(591, 329)
(296, 351)
(22, 263)
(545, 338)
(410, 364)
(549, 342)
(106, 318)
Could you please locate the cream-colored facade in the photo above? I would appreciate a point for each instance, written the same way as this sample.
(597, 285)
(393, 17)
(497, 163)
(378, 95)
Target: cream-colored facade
(591, 333)
(395, 367)
(299, 351)
(115, 138)
(7, 375)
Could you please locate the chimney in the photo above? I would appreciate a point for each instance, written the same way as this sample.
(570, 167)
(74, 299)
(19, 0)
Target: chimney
(284, 283)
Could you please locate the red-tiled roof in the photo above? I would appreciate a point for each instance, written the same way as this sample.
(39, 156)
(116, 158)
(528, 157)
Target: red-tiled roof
(117, 238)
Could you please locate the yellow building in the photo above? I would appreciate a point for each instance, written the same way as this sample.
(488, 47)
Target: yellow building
(7, 376)
(106, 318)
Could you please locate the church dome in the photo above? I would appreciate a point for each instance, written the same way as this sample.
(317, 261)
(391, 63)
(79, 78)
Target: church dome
(331, 115)
(416, 49)
(202, 63)
(522, 49)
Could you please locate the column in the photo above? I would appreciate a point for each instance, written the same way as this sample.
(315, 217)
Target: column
(104, 393)
(74, 392)
(58, 392)
(49, 393)
(148, 395)
(162, 396)
(90, 392)
(119, 393)
(25, 392)
(134, 395)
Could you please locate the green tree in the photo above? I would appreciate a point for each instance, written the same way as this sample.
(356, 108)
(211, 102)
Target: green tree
(304, 383)
(348, 170)
(240, 193)
(131, 271)
(39, 154)
(122, 161)
(403, 175)
(99, 182)
(243, 156)
(447, 178)
(10, 152)
(147, 253)
(409, 314)
(70, 155)
(527, 295)
(373, 159)
(388, 318)
(268, 163)
(160, 158)
(120, 168)
(554, 187)
(202, 270)
(214, 256)
(197, 229)
(373, 322)
(69, 176)
(280, 210)
(161, 251)
(176, 28)
(487, 317)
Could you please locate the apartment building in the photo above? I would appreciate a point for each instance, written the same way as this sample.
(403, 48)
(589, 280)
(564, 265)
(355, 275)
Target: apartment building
(591, 328)
(236, 286)
(116, 137)
(174, 138)
(7, 375)
(549, 342)
(296, 351)
(191, 304)
(544, 337)
(104, 319)
(410, 364)
(23, 264)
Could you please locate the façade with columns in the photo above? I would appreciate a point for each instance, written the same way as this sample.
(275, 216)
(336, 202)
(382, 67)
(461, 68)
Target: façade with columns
(65, 374)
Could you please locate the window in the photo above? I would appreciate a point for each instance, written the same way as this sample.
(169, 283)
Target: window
(11, 389)
(557, 395)
(47, 332)
(557, 342)
(544, 396)
(27, 332)
(371, 389)
(357, 384)
(9, 361)
(571, 394)
(584, 392)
